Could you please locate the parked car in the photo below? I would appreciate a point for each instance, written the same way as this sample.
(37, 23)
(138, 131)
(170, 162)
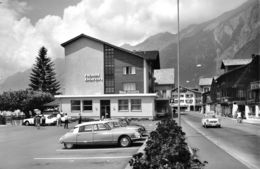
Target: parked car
(54, 115)
(99, 132)
(114, 123)
(210, 120)
(49, 120)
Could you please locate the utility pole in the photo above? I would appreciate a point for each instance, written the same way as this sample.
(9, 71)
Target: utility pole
(178, 61)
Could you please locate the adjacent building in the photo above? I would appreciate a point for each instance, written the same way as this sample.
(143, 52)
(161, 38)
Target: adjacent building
(164, 83)
(190, 99)
(103, 80)
(237, 90)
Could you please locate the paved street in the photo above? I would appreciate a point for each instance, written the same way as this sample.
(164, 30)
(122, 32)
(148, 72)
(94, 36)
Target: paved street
(232, 146)
(26, 147)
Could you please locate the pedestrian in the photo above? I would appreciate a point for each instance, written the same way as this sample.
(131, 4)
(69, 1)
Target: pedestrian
(80, 118)
(38, 121)
(58, 120)
(43, 120)
(66, 121)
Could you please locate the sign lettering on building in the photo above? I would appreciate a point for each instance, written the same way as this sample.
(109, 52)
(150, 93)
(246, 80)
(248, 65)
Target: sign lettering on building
(255, 85)
(93, 77)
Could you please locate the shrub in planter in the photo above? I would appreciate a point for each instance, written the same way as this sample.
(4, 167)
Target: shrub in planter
(165, 149)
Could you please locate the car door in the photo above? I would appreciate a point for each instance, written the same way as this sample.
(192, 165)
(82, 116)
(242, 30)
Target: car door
(102, 134)
(85, 134)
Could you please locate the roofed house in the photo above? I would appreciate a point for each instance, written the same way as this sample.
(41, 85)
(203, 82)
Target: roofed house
(230, 64)
(205, 84)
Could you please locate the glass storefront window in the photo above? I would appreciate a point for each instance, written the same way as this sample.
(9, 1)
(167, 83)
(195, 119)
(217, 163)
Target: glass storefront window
(87, 105)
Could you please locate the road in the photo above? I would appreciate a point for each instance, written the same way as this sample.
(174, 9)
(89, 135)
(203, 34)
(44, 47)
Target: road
(26, 147)
(234, 146)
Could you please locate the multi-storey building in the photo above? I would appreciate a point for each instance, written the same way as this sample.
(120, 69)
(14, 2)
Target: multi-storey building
(237, 90)
(103, 80)
(164, 83)
(190, 100)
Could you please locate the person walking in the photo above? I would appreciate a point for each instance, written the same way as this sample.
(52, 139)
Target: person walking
(66, 121)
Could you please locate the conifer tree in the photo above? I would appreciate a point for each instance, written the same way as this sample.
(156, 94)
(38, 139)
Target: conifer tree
(43, 75)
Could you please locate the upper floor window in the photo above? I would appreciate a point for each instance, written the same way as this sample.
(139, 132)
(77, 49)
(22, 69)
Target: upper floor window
(129, 70)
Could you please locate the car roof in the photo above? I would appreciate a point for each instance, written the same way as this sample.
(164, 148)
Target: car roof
(91, 123)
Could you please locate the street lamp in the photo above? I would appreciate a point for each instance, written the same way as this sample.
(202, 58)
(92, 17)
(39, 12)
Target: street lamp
(178, 60)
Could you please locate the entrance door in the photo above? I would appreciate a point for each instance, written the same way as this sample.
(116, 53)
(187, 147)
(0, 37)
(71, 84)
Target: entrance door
(105, 108)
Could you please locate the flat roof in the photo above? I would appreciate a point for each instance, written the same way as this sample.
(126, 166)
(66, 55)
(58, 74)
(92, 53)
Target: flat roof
(108, 95)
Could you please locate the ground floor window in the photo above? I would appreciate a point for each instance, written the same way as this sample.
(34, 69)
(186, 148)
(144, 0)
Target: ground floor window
(123, 105)
(75, 105)
(136, 105)
(87, 105)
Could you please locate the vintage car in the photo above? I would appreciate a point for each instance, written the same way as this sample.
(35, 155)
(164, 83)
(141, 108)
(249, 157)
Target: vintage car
(122, 122)
(99, 132)
(210, 120)
(49, 120)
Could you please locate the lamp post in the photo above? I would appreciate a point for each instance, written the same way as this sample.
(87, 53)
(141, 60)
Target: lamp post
(178, 60)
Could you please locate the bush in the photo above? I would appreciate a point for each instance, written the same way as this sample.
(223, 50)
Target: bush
(165, 149)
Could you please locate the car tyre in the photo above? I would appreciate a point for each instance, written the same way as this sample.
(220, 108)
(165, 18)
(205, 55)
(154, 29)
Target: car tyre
(68, 145)
(27, 123)
(124, 141)
(205, 125)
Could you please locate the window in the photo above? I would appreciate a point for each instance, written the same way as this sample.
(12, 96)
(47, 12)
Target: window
(87, 105)
(129, 86)
(109, 66)
(136, 105)
(189, 101)
(129, 70)
(87, 128)
(75, 105)
(122, 105)
(100, 127)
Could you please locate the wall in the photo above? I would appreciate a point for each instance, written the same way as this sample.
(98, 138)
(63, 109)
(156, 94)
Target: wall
(83, 56)
(123, 59)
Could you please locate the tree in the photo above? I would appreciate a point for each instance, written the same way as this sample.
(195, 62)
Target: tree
(43, 76)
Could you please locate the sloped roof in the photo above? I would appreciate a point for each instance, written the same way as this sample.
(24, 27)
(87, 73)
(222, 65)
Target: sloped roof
(147, 55)
(234, 62)
(185, 88)
(205, 81)
(164, 76)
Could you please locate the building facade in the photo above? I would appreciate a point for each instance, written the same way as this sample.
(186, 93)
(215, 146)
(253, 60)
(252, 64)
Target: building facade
(190, 100)
(103, 80)
(237, 90)
(164, 83)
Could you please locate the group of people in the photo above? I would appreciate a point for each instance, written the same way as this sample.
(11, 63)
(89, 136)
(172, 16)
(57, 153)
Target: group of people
(66, 120)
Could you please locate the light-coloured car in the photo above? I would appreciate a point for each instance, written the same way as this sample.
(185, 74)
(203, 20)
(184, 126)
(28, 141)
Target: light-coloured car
(210, 120)
(114, 123)
(49, 120)
(99, 132)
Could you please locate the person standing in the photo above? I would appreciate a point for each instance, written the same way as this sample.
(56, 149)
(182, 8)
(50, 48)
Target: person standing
(58, 120)
(38, 121)
(66, 121)
(80, 118)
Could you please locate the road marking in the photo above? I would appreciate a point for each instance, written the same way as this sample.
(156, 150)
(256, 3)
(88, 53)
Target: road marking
(104, 149)
(79, 158)
(230, 152)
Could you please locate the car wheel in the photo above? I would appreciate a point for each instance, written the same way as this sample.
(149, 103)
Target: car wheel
(68, 145)
(205, 125)
(27, 123)
(124, 141)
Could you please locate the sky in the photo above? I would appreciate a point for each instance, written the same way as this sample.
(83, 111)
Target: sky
(27, 25)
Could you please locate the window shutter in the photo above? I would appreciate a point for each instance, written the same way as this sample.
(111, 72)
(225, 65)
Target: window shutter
(124, 70)
(133, 70)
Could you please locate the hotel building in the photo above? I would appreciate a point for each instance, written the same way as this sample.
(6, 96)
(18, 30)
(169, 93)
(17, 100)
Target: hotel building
(103, 80)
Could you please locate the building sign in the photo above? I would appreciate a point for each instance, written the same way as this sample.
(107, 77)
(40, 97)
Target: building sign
(93, 77)
(255, 85)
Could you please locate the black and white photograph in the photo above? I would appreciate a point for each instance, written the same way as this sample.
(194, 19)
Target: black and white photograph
(129, 84)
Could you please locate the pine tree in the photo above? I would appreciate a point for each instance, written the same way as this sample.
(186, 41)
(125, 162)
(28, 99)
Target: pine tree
(43, 76)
